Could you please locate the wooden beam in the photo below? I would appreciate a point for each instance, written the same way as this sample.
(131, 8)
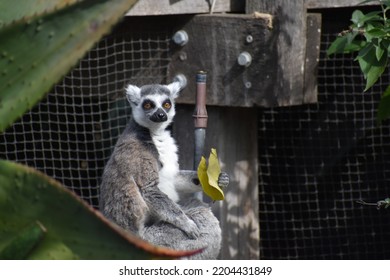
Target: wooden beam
(215, 42)
(171, 7)
(287, 47)
(313, 45)
(233, 132)
(320, 4)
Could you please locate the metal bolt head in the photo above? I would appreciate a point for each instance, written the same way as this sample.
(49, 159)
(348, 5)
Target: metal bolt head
(244, 59)
(249, 39)
(180, 38)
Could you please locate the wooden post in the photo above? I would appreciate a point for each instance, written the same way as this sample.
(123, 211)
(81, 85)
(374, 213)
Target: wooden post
(289, 44)
(312, 57)
(233, 132)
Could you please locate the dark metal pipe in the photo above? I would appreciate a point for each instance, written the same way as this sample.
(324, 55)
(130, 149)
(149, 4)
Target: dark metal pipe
(200, 117)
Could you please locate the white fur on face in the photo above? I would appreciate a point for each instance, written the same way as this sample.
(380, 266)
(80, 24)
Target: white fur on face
(142, 118)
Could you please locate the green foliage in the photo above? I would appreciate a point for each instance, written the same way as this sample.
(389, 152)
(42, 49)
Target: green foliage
(9, 12)
(369, 36)
(20, 246)
(37, 49)
(40, 219)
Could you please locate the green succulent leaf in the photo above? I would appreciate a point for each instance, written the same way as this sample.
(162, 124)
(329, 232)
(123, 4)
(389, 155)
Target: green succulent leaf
(72, 229)
(9, 12)
(37, 52)
(20, 246)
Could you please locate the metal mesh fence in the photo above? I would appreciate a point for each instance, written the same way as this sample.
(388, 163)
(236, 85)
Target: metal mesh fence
(69, 135)
(316, 161)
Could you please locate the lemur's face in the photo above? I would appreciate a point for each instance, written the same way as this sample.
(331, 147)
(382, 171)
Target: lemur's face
(157, 108)
(153, 105)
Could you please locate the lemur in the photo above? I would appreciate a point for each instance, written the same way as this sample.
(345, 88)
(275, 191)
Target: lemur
(142, 185)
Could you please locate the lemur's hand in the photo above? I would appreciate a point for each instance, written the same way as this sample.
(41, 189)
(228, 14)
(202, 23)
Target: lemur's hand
(223, 180)
(191, 229)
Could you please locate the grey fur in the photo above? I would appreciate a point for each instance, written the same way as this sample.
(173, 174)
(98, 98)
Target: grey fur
(130, 196)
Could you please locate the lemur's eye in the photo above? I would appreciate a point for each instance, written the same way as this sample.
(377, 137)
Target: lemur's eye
(147, 105)
(167, 105)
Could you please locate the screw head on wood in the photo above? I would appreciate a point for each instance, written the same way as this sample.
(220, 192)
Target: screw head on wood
(180, 38)
(244, 59)
(248, 85)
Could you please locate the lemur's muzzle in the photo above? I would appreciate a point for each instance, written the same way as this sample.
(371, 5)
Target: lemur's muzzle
(159, 116)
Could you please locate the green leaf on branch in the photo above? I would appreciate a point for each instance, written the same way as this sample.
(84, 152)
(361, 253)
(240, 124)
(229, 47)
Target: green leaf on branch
(359, 18)
(372, 31)
(357, 15)
(379, 51)
(371, 67)
(376, 32)
(337, 46)
(346, 44)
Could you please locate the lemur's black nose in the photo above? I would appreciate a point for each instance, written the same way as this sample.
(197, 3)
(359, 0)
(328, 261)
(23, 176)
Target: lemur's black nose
(159, 116)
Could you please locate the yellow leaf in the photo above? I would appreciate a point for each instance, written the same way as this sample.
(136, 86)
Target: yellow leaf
(213, 169)
(208, 176)
(202, 173)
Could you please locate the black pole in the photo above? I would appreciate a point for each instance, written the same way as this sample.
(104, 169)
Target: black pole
(200, 117)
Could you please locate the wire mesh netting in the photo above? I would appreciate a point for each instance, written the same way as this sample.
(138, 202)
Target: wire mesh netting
(316, 161)
(70, 134)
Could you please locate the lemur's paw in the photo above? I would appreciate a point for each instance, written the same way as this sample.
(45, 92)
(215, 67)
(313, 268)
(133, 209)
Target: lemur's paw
(223, 180)
(191, 229)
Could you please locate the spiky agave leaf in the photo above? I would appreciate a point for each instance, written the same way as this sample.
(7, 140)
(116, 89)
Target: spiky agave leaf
(72, 228)
(38, 49)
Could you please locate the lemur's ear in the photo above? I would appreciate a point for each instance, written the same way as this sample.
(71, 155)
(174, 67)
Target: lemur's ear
(174, 88)
(133, 94)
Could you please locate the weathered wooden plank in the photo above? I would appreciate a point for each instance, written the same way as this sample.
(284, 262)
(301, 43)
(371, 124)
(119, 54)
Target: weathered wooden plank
(170, 7)
(317, 4)
(233, 132)
(287, 46)
(215, 42)
(312, 57)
